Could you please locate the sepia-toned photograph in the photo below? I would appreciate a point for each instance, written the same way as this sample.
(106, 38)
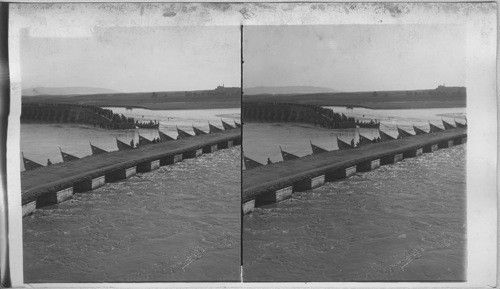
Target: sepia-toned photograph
(129, 148)
(355, 153)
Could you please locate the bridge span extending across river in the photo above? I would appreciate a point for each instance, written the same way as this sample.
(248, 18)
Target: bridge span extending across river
(56, 183)
(276, 182)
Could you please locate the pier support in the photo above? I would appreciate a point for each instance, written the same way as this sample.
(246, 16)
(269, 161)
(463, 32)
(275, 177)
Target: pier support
(120, 174)
(391, 159)
(413, 153)
(222, 145)
(273, 196)
(29, 208)
(170, 160)
(430, 148)
(459, 141)
(445, 144)
(148, 166)
(209, 149)
(309, 184)
(54, 197)
(248, 207)
(334, 175)
(89, 184)
(192, 154)
(368, 165)
(227, 144)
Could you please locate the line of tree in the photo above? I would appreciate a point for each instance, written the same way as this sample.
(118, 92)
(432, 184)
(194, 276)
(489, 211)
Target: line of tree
(75, 113)
(293, 112)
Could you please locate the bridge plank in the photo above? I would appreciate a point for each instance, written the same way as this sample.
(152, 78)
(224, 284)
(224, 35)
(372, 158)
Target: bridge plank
(279, 175)
(63, 175)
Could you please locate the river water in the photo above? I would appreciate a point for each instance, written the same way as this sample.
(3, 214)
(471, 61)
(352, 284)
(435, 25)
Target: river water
(178, 223)
(263, 140)
(40, 142)
(402, 222)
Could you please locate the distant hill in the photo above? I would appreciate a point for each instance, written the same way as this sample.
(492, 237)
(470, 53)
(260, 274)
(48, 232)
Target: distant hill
(65, 91)
(286, 90)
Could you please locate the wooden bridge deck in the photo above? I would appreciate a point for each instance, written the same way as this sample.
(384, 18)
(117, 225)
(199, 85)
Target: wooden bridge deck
(37, 182)
(283, 174)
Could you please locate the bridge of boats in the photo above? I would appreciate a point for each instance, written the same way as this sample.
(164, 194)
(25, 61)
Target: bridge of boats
(47, 185)
(266, 184)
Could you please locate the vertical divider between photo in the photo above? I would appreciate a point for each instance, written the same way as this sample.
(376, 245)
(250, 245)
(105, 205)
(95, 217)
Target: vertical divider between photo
(241, 153)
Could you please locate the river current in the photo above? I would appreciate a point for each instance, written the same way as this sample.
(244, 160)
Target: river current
(401, 222)
(178, 223)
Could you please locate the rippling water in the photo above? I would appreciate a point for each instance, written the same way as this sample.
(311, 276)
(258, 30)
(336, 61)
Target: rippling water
(262, 140)
(401, 222)
(40, 142)
(178, 223)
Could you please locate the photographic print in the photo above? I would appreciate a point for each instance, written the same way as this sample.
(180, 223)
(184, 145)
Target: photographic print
(324, 144)
(130, 145)
(355, 153)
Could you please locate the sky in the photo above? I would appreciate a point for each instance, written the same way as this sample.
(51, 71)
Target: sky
(133, 59)
(355, 57)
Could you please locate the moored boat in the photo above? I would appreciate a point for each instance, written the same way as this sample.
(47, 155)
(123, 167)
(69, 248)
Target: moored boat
(343, 145)
(316, 149)
(30, 165)
(251, 164)
(96, 150)
(384, 136)
(123, 146)
(226, 125)
(447, 125)
(403, 134)
(419, 131)
(182, 134)
(287, 156)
